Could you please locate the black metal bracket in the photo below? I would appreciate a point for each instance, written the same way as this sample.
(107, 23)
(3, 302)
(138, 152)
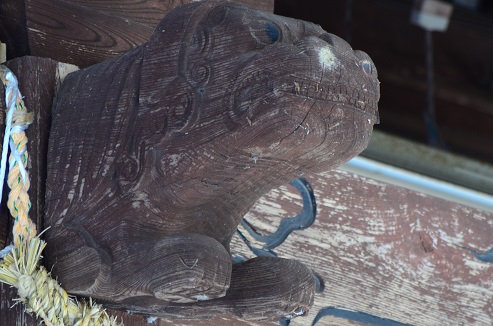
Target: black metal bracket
(299, 222)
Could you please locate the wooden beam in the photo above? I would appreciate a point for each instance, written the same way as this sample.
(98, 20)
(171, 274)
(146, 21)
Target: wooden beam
(383, 251)
(88, 32)
(79, 35)
(150, 13)
(388, 251)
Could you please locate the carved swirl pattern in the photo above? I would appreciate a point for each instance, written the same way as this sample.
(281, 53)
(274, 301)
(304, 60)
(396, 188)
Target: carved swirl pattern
(180, 106)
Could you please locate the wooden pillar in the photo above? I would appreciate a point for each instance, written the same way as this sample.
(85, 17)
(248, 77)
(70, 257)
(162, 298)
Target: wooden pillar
(13, 30)
(39, 79)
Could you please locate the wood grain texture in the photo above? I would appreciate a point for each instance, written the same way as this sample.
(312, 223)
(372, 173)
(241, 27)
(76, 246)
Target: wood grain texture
(156, 156)
(88, 32)
(384, 250)
(390, 252)
(76, 34)
(151, 12)
(381, 249)
(370, 245)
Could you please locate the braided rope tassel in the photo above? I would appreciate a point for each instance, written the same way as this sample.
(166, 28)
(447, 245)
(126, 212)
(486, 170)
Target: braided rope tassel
(42, 294)
(18, 201)
(18, 181)
(20, 268)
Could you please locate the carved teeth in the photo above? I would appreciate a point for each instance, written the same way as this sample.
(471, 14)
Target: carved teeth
(362, 101)
(334, 93)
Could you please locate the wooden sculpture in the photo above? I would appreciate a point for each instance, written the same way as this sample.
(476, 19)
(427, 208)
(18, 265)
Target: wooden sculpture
(155, 157)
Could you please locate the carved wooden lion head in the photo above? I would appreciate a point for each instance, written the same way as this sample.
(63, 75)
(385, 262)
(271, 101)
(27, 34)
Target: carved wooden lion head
(156, 156)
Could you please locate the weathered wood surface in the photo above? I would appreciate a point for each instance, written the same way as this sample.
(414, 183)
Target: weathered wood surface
(387, 251)
(383, 250)
(380, 249)
(371, 245)
(155, 157)
(88, 32)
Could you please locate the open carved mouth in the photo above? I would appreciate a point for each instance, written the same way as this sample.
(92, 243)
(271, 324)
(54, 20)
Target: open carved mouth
(251, 91)
(341, 94)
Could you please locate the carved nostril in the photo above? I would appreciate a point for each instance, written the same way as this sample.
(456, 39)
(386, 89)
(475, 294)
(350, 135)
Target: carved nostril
(336, 42)
(327, 38)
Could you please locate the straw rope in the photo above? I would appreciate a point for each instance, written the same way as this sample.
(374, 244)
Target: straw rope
(21, 267)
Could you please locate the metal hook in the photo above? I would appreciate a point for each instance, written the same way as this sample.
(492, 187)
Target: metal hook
(299, 222)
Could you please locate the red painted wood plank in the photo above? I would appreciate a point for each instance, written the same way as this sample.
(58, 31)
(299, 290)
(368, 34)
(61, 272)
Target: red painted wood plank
(390, 252)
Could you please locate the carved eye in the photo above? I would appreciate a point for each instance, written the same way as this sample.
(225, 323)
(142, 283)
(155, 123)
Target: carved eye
(367, 67)
(272, 31)
(266, 32)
